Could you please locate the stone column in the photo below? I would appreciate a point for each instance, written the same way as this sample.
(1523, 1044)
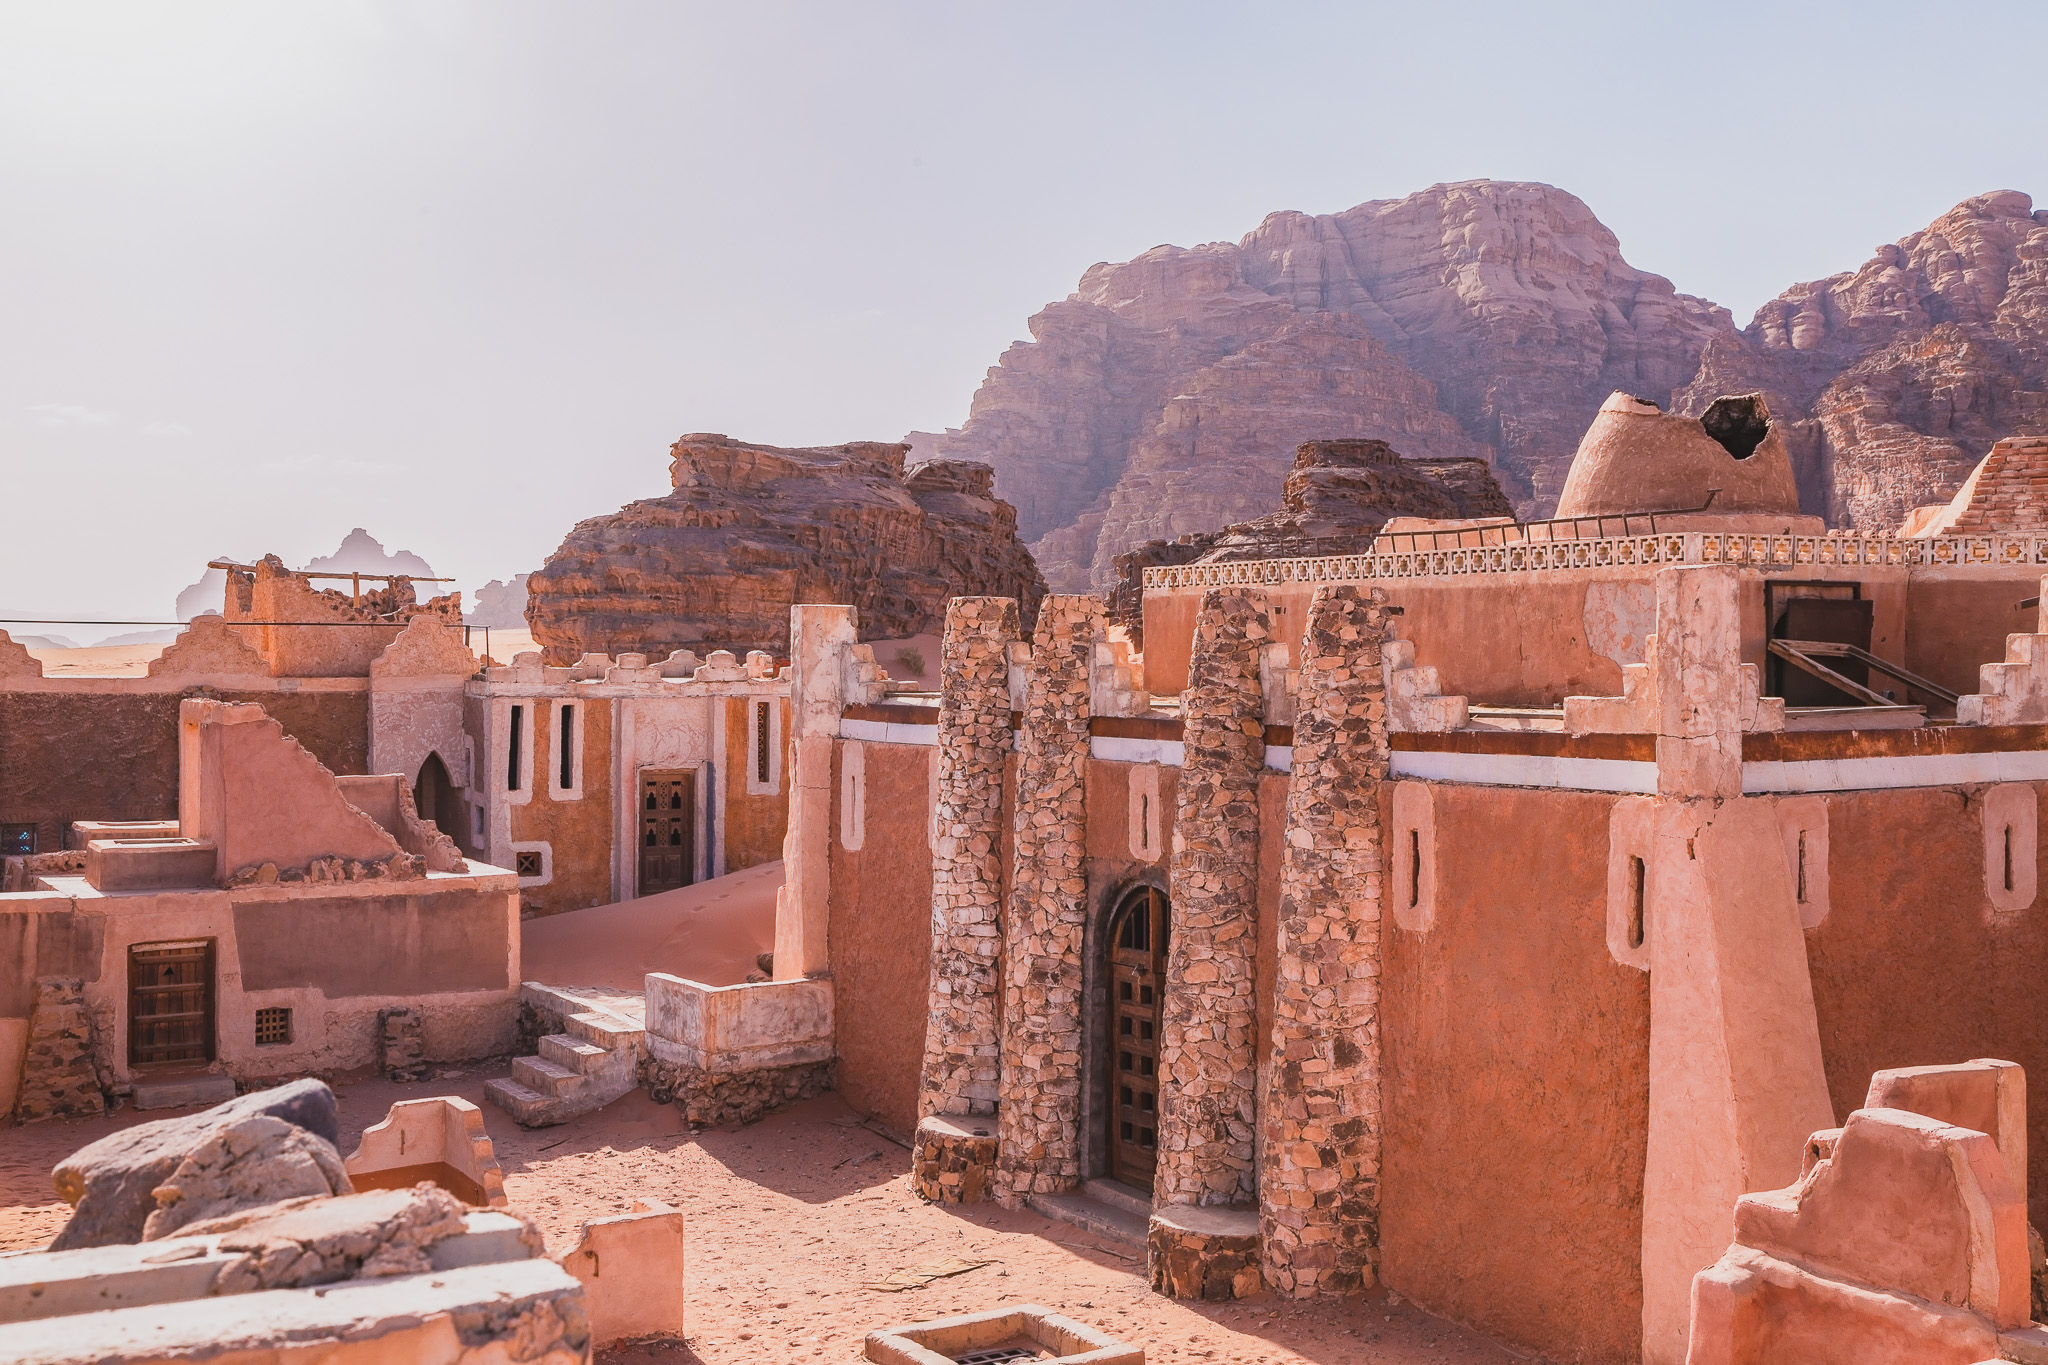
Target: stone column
(820, 641)
(961, 1066)
(1039, 1118)
(1319, 1106)
(1208, 1102)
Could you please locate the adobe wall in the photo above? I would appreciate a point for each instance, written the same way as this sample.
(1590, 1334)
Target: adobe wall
(755, 823)
(1515, 1082)
(1960, 623)
(1912, 966)
(880, 932)
(578, 832)
(83, 753)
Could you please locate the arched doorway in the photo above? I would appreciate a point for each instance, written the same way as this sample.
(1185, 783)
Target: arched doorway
(1137, 988)
(433, 796)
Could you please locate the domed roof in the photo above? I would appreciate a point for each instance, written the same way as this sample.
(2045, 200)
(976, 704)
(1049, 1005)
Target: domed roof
(1636, 457)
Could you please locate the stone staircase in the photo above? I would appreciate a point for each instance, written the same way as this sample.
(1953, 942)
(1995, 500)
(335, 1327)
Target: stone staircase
(591, 1062)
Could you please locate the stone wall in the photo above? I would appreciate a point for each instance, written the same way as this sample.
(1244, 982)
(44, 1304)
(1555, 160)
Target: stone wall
(1040, 1112)
(58, 1076)
(1208, 1112)
(961, 1061)
(1320, 1108)
(708, 1098)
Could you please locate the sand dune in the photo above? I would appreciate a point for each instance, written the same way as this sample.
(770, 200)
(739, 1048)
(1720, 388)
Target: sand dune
(709, 932)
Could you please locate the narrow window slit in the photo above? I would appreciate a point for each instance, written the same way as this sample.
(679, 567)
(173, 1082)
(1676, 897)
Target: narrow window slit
(568, 773)
(1802, 867)
(1637, 876)
(1414, 868)
(2008, 857)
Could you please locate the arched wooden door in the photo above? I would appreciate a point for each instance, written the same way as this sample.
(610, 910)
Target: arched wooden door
(1137, 989)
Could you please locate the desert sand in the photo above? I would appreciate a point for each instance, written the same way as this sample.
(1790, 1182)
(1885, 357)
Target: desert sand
(710, 932)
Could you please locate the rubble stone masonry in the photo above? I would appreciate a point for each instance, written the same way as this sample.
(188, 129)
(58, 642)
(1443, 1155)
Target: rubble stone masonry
(1208, 1100)
(961, 1062)
(1038, 1120)
(58, 1078)
(1320, 1107)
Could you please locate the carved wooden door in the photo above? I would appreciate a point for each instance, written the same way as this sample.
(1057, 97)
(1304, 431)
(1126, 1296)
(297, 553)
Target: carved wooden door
(1137, 986)
(170, 1003)
(668, 830)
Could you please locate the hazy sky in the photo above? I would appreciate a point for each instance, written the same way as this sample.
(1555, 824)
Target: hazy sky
(459, 273)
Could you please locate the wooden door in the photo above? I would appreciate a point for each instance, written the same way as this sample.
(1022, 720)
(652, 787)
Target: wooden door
(668, 830)
(170, 1003)
(1137, 987)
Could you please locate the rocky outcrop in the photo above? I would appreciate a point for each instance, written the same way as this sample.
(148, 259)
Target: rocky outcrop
(751, 530)
(1491, 319)
(111, 1184)
(1893, 380)
(1335, 500)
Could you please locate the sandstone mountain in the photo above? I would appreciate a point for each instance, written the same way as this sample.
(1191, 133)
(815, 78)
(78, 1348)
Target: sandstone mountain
(1489, 319)
(752, 529)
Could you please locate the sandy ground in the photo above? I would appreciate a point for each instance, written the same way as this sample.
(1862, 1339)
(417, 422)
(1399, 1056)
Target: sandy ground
(791, 1217)
(710, 932)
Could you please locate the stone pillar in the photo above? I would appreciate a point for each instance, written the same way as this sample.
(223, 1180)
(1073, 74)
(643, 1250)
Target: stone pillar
(1039, 1118)
(961, 1065)
(1319, 1107)
(1736, 1082)
(59, 1074)
(1208, 1101)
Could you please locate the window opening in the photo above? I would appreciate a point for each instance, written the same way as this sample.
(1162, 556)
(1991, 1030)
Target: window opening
(1145, 822)
(2008, 857)
(273, 1026)
(1802, 867)
(1414, 868)
(568, 747)
(1637, 876)
(17, 840)
(512, 751)
(761, 723)
(526, 862)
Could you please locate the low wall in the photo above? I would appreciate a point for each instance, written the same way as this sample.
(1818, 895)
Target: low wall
(1515, 1082)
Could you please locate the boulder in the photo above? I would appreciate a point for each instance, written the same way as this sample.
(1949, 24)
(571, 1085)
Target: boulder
(111, 1184)
(317, 1240)
(245, 1164)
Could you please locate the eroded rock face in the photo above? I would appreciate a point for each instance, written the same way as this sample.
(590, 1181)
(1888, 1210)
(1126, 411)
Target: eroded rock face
(1492, 318)
(111, 1183)
(751, 529)
(1894, 379)
(1335, 500)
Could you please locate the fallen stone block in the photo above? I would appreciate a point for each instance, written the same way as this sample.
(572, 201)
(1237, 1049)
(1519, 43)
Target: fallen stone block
(111, 1183)
(247, 1164)
(319, 1240)
(631, 1267)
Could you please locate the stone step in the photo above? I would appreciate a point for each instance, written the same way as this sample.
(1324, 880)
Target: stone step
(608, 1031)
(544, 1076)
(1118, 1195)
(529, 1108)
(172, 1092)
(1107, 1221)
(574, 1053)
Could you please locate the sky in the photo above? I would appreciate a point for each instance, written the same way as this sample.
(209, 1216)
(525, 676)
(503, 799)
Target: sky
(460, 272)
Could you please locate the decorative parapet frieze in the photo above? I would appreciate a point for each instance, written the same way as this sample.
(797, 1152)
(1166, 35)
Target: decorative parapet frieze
(1038, 1117)
(961, 1063)
(1414, 695)
(1208, 1105)
(1320, 1108)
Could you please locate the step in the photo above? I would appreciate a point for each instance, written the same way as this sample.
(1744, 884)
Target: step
(173, 1092)
(574, 1053)
(549, 1078)
(1118, 1195)
(1107, 1221)
(608, 1031)
(529, 1108)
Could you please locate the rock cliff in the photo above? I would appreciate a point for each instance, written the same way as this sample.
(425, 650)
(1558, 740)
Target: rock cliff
(751, 529)
(1335, 499)
(1490, 319)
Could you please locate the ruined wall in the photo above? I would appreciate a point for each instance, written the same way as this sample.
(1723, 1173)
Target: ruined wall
(754, 823)
(1515, 1081)
(578, 832)
(87, 754)
(880, 932)
(1913, 966)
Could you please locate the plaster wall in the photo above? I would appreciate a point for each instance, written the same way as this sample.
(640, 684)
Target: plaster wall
(1515, 1082)
(578, 829)
(1913, 965)
(413, 717)
(879, 932)
(756, 814)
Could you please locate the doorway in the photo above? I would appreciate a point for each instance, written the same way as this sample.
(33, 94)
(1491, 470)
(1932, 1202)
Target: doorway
(1138, 933)
(170, 1003)
(433, 797)
(668, 830)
